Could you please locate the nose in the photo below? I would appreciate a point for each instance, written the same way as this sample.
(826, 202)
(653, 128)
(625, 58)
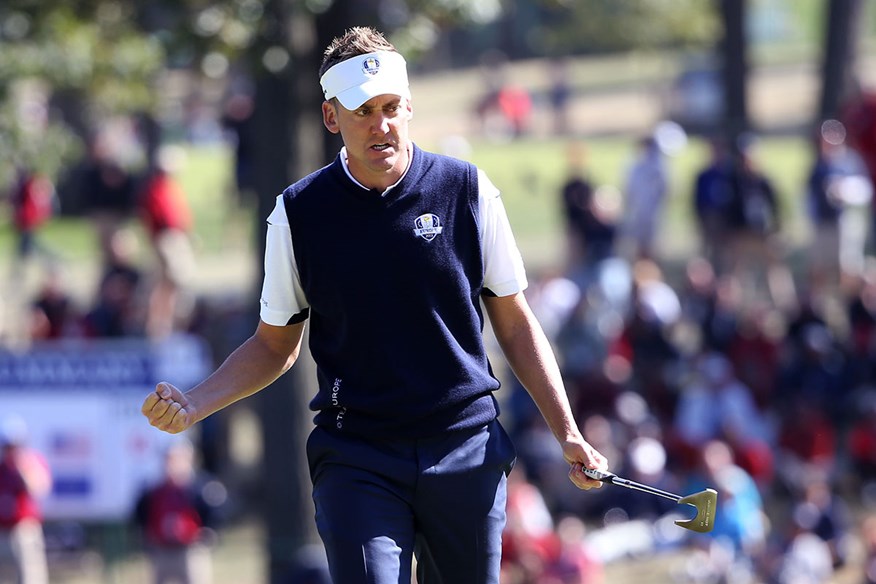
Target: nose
(381, 124)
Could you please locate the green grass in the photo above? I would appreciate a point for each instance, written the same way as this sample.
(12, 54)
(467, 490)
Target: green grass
(530, 175)
(528, 172)
(206, 179)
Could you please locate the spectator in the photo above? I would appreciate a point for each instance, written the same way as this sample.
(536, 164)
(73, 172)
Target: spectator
(559, 94)
(828, 517)
(859, 116)
(837, 189)
(590, 232)
(647, 186)
(717, 406)
(33, 204)
(804, 558)
(646, 343)
(493, 67)
(698, 297)
(861, 441)
(817, 542)
(807, 442)
(528, 538)
(817, 371)
(53, 314)
(515, 105)
(237, 119)
(573, 562)
(116, 311)
(755, 350)
(536, 549)
(740, 533)
(711, 199)
(861, 317)
(25, 477)
(722, 323)
(178, 516)
(168, 221)
(118, 308)
(109, 195)
(504, 110)
(754, 253)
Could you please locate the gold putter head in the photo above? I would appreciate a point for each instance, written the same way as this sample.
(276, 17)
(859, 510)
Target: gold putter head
(705, 503)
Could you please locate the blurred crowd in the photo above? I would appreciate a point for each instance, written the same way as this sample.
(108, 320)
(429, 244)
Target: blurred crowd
(141, 289)
(747, 368)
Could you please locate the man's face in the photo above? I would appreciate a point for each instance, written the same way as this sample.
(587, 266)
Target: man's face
(376, 137)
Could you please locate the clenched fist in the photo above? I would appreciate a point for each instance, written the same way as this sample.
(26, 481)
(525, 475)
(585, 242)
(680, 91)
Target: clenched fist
(168, 409)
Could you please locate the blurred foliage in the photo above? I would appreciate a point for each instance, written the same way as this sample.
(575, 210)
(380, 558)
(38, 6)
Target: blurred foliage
(44, 148)
(571, 27)
(78, 63)
(88, 60)
(539, 28)
(89, 53)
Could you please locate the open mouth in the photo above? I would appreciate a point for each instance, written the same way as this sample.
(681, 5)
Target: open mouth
(381, 147)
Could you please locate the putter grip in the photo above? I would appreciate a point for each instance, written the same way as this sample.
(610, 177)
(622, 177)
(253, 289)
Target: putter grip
(599, 475)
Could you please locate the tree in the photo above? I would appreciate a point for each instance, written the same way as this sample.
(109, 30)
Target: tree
(51, 58)
(734, 58)
(841, 32)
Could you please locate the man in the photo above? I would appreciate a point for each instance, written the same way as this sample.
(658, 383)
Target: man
(711, 197)
(389, 252)
(177, 516)
(646, 190)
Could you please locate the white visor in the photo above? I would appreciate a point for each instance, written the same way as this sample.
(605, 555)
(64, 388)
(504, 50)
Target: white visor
(362, 77)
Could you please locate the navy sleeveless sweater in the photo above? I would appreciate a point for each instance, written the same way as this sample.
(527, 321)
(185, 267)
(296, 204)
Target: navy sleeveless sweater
(393, 283)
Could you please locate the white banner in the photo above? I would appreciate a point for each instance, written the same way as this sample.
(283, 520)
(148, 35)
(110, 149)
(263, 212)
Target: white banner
(81, 404)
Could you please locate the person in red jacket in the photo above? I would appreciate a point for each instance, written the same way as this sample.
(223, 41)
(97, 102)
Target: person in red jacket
(24, 478)
(33, 204)
(177, 516)
(167, 219)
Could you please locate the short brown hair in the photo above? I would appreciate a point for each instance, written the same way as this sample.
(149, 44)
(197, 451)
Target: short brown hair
(358, 40)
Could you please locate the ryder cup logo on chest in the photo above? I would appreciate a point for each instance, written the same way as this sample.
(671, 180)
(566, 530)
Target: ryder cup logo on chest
(427, 226)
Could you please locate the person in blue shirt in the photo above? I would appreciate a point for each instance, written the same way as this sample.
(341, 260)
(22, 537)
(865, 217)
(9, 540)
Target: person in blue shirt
(389, 253)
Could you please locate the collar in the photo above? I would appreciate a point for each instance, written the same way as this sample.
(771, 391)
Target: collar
(346, 166)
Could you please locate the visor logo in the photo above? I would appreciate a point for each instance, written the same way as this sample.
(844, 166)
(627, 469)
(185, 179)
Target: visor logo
(370, 66)
(427, 226)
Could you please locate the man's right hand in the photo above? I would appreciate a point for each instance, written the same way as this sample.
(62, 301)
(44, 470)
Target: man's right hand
(168, 409)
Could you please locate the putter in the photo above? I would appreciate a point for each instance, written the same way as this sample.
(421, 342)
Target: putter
(704, 501)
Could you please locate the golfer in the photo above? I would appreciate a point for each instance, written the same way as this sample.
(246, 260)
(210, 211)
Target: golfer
(388, 252)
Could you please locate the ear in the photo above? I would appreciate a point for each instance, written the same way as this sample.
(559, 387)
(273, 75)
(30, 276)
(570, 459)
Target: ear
(330, 117)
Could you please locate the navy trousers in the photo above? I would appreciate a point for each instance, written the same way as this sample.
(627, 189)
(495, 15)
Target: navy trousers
(379, 502)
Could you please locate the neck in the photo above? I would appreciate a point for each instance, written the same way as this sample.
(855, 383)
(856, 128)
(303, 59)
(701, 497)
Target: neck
(380, 181)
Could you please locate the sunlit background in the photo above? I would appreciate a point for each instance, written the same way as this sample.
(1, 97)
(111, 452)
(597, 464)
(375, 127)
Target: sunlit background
(142, 145)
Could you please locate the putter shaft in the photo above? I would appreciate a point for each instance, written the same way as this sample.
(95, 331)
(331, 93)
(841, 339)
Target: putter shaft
(610, 477)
